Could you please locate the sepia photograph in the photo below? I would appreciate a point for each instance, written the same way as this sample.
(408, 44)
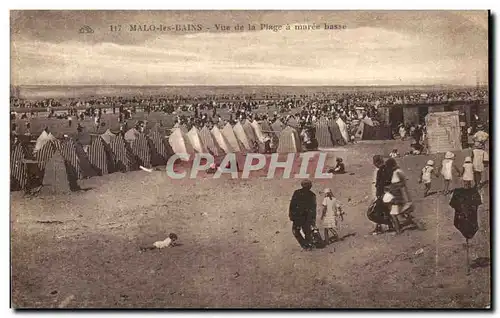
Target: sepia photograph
(250, 159)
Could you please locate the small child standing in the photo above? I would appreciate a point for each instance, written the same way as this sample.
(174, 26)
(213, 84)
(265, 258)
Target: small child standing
(447, 170)
(426, 176)
(468, 173)
(331, 211)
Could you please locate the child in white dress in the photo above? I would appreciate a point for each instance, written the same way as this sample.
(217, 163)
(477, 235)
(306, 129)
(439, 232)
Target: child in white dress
(468, 173)
(332, 210)
(447, 168)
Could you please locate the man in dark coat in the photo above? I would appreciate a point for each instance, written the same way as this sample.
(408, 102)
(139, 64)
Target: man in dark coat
(302, 213)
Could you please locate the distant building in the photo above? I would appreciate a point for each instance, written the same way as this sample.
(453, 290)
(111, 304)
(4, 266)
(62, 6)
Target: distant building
(415, 113)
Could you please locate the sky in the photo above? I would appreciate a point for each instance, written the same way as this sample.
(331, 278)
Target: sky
(375, 48)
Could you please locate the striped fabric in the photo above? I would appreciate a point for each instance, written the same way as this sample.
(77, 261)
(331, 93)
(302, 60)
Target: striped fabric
(277, 127)
(242, 137)
(68, 152)
(289, 141)
(323, 133)
(209, 141)
(160, 152)
(18, 170)
(98, 157)
(44, 154)
(247, 127)
(140, 150)
(222, 142)
(120, 154)
(337, 138)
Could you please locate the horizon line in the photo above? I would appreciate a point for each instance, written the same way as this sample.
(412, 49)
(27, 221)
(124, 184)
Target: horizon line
(243, 85)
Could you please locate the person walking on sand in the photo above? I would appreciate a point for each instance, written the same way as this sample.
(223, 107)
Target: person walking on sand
(331, 211)
(381, 178)
(447, 168)
(401, 202)
(426, 176)
(480, 160)
(467, 173)
(302, 212)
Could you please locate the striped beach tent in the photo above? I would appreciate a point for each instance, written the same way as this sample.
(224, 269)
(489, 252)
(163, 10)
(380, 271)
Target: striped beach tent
(194, 138)
(121, 156)
(343, 129)
(222, 142)
(277, 127)
(293, 122)
(100, 157)
(140, 149)
(160, 149)
(228, 133)
(18, 169)
(43, 139)
(241, 136)
(323, 135)
(209, 141)
(44, 154)
(180, 142)
(289, 141)
(249, 132)
(337, 138)
(258, 131)
(182, 127)
(59, 176)
(77, 159)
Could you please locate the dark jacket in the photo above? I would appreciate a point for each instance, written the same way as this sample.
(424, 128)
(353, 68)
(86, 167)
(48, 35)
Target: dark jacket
(303, 207)
(384, 177)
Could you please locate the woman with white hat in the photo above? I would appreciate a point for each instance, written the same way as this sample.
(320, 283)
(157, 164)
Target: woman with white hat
(447, 168)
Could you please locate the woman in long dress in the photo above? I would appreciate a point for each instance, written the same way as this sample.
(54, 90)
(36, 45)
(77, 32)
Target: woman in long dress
(401, 201)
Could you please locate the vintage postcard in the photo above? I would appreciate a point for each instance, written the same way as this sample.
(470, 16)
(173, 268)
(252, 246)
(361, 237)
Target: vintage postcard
(250, 159)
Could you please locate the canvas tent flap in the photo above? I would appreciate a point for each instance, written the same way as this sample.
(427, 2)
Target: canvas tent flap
(323, 135)
(42, 140)
(180, 142)
(241, 136)
(194, 138)
(343, 129)
(289, 141)
(221, 140)
(258, 131)
(210, 143)
(99, 158)
(58, 176)
(228, 133)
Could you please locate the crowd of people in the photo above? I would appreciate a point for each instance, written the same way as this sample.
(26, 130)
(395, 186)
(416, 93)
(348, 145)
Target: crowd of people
(348, 99)
(391, 204)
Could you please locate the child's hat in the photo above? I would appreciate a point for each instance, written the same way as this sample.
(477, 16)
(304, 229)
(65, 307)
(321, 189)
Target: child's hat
(468, 159)
(449, 155)
(430, 162)
(327, 190)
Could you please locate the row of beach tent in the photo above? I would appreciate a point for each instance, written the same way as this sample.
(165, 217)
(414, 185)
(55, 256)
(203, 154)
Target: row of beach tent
(84, 156)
